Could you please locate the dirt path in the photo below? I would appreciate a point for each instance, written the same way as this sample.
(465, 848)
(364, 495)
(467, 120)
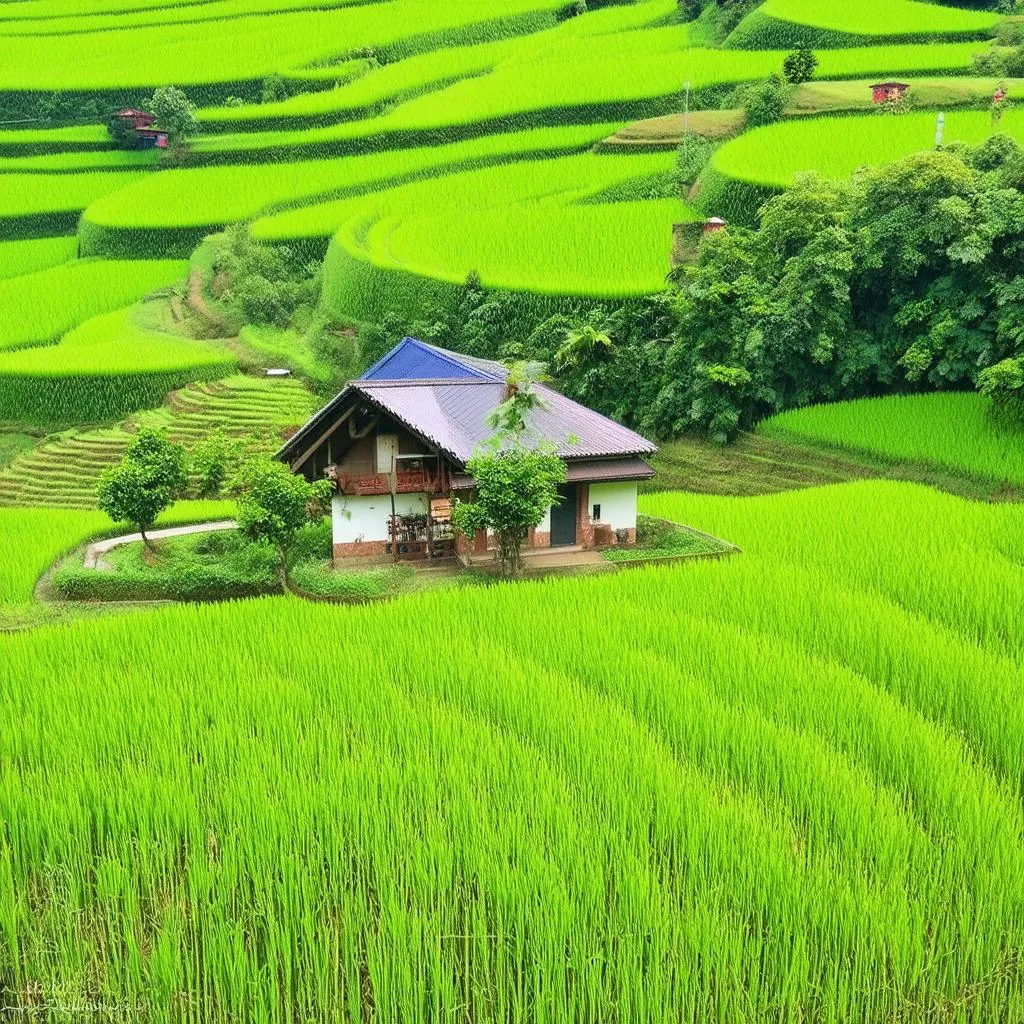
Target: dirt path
(198, 304)
(94, 552)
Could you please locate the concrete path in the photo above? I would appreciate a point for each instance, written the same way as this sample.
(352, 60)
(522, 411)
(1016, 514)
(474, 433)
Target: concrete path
(93, 552)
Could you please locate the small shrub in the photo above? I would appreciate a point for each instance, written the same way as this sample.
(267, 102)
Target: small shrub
(800, 66)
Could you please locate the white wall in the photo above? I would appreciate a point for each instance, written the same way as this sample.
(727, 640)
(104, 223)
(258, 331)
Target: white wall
(359, 519)
(618, 504)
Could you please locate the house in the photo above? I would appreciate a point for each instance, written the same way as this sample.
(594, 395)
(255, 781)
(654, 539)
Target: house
(135, 119)
(396, 443)
(141, 125)
(151, 138)
(886, 92)
(709, 227)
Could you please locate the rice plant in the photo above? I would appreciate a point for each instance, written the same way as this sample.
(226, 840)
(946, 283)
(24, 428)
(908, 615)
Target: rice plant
(957, 432)
(25, 195)
(104, 369)
(247, 48)
(40, 307)
(836, 147)
(26, 257)
(210, 197)
(783, 787)
(784, 23)
(528, 227)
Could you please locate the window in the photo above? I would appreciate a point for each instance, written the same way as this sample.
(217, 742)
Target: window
(597, 513)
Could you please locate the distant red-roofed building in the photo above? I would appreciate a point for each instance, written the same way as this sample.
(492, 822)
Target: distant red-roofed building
(887, 92)
(135, 118)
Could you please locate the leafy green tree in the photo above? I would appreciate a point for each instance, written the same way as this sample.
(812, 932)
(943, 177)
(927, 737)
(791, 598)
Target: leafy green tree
(121, 132)
(515, 487)
(799, 66)
(1004, 384)
(212, 461)
(175, 114)
(583, 344)
(276, 504)
(144, 482)
(515, 483)
(510, 421)
(275, 88)
(765, 102)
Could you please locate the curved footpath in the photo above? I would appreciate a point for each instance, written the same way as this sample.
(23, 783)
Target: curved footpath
(93, 552)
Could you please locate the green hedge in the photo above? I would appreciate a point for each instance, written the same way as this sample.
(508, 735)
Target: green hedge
(211, 583)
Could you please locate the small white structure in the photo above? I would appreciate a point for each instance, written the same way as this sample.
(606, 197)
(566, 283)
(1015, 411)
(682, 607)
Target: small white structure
(396, 443)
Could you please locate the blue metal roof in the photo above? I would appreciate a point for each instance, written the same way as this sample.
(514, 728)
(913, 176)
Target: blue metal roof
(414, 360)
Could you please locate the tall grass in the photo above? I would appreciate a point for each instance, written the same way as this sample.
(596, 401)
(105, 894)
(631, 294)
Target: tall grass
(782, 787)
(950, 431)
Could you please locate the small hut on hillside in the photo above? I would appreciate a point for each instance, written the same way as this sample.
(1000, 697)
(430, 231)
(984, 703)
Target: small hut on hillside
(887, 92)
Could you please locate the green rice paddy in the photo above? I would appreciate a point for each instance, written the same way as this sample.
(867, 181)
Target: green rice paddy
(836, 22)
(784, 786)
(836, 147)
(529, 826)
(951, 431)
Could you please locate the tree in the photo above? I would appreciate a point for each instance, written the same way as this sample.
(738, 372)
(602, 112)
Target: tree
(800, 66)
(276, 504)
(1004, 384)
(144, 482)
(174, 114)
(581, 345)
(211, 461)
(275, 88)
(515, 484)
(122, 132)
(515, 487)
(765, 102)
(510, 421)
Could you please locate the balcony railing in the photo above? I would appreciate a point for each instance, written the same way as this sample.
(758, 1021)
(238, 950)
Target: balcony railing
(413, 481)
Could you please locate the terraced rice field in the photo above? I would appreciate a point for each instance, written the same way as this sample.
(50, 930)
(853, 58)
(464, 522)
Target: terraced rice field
(63, 470)
(869, 807)
(836, 147)
(950, 431)
(781, 787)
(830, 22)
